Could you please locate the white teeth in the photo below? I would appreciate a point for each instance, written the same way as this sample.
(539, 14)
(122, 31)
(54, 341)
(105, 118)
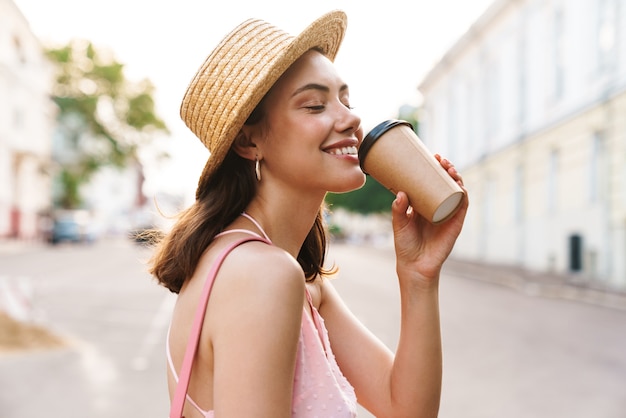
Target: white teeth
(343, 151)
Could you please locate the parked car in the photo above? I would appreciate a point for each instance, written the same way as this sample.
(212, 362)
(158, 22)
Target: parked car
(71, 227)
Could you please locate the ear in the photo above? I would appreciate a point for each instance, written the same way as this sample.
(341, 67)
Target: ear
(244, 147)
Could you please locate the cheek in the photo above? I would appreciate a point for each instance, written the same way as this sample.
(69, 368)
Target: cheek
(291, 137)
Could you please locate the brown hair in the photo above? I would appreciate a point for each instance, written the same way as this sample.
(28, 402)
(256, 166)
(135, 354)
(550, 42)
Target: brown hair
(217, 205)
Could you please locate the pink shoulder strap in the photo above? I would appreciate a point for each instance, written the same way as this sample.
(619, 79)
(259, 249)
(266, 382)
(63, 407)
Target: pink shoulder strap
(178, 402)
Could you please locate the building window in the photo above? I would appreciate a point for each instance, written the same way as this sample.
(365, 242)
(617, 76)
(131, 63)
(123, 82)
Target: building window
(596, 167)
(453, 123)
(489, 203)
(559, 54)
(553, 173)
(521, 59)
(492, 104)
(19, 50)
(470, 135)
(606, 34)
(518, 204)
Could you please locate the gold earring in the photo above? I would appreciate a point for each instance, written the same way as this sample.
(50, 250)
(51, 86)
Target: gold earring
(257, 168)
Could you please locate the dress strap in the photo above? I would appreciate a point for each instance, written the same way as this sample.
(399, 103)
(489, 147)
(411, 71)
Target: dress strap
(317, 320)
(246, 231)
(309, 298)
(173, 370)
(251, 219)
(232, 231)
(180, 394)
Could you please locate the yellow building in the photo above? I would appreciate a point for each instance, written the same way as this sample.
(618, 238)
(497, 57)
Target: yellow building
(530, 104)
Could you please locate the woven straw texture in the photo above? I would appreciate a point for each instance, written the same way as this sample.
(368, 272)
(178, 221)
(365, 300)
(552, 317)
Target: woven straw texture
(240, 71)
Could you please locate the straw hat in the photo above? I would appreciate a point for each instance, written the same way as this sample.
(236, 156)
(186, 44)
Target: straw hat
(240, 71)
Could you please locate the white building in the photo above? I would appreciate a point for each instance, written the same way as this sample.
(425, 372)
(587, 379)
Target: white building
(26, 124)
(530, 104)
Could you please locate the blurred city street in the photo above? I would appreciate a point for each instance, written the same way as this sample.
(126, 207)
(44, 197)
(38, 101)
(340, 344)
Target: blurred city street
(507, 352)
(527, 98)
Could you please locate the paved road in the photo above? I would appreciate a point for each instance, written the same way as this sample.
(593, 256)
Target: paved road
(507, 353)
(115, 316)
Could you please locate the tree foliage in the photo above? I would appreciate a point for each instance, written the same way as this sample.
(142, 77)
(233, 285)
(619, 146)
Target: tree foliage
(103, 117)
(373, 197)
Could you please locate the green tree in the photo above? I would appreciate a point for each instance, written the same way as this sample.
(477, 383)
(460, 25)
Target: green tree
(373, 197)
(103, 117)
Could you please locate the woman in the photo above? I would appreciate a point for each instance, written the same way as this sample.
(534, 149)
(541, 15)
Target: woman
(276, 339)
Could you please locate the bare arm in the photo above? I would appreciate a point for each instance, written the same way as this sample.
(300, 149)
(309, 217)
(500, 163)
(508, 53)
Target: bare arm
(409, 383)
(256, 333)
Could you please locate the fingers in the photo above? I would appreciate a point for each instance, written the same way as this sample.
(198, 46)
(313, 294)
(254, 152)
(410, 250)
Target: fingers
(399, 209)
(449, 167)
(455, 175)
(400, 204)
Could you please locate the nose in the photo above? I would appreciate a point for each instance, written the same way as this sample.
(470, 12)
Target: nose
(349, 121)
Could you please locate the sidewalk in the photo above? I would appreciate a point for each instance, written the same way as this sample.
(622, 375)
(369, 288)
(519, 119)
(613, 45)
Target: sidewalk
(532, 283)
(9, 246)
(539, 284)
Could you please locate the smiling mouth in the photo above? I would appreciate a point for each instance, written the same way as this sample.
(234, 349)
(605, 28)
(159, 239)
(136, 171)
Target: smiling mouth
(343, 151)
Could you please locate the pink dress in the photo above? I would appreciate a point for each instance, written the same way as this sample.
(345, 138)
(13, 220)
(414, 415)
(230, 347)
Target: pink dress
(319, 387)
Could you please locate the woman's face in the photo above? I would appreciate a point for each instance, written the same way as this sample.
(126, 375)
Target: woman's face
(311, 135)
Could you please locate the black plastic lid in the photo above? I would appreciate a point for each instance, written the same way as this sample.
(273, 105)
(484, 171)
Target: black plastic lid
(376, 133)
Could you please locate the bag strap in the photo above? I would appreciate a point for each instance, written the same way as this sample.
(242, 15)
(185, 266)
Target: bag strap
(178, 402)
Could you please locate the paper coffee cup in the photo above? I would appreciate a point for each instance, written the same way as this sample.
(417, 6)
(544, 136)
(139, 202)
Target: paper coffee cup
(394, 155)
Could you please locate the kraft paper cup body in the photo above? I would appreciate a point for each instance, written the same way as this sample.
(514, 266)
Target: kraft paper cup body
(394, 155)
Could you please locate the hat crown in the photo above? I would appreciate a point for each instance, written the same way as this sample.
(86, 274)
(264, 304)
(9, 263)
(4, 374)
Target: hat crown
(227, 76)
(241, 70)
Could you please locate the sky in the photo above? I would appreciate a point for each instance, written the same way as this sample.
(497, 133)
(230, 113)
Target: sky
(388, 48)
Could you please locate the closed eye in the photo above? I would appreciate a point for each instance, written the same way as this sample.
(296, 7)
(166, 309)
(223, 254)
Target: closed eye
(317, 108)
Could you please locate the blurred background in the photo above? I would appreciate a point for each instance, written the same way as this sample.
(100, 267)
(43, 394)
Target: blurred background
(526, 97)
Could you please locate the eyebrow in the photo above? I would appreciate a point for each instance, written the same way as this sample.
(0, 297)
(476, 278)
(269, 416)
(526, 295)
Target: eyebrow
(315, 86)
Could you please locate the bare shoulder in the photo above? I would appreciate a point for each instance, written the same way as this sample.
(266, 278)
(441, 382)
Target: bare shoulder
(259, 262)
(257, 297)
(256, 273)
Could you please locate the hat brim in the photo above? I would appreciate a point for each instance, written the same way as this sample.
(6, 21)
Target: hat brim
(325, 33)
